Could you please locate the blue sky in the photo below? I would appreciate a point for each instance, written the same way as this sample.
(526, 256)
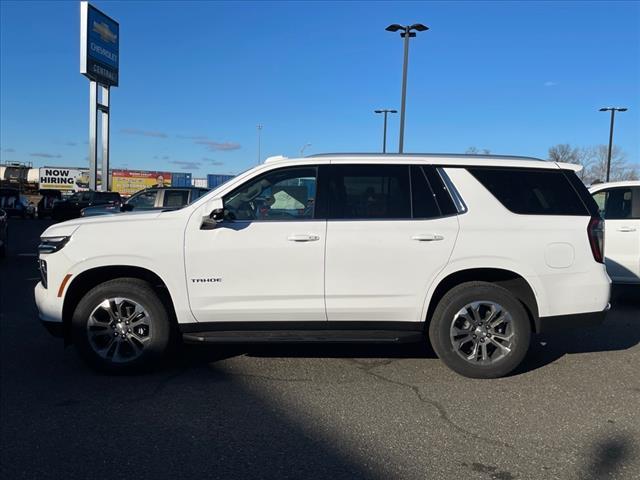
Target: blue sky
(196, 78)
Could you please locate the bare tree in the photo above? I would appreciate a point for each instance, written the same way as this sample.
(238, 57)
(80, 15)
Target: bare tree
(596, 160)
(563, 152)
(478, 151)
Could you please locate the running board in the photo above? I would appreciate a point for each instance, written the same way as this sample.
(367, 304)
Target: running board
(304, 336)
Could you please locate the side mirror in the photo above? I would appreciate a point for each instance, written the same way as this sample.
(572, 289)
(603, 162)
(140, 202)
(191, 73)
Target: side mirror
(215, 214)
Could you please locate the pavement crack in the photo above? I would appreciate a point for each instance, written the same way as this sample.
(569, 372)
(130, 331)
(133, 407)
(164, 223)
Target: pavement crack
(442, 412)
(271, 378)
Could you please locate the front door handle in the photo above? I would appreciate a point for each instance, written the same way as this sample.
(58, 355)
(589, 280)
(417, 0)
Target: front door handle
(307, 237)
(427, 237)
(626, 229)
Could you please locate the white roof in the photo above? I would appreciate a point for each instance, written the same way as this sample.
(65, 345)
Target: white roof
(626, 183)
(430, 158)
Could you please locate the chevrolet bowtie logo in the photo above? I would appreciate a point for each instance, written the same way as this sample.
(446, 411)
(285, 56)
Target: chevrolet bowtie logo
(105, 32)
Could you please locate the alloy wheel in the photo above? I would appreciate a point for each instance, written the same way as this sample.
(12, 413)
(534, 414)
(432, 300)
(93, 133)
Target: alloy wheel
(482, 332)
(119, 329)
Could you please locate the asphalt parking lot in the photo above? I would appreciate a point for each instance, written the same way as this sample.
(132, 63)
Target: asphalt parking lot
(571, 412)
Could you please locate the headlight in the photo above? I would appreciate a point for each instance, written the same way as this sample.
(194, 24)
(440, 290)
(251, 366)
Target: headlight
(52, 244)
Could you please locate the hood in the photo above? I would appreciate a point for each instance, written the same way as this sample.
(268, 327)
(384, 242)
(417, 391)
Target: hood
(70, 226)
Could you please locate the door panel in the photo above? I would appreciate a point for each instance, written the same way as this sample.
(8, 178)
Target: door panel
(620, 207)
(252, 271)
(622, 250)
(382, 254)
(381, 270)
(265, 261)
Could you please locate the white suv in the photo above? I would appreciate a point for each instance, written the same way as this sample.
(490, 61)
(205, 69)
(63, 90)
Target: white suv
(475, 252)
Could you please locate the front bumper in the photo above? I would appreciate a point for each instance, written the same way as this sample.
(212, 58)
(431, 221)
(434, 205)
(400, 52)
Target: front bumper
(558, 323)
(49, 306)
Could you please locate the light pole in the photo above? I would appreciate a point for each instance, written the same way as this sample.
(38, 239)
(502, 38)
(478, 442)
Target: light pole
(406, 32)
(303, 149)
(384, 131)
(613, 111)
(259, 128)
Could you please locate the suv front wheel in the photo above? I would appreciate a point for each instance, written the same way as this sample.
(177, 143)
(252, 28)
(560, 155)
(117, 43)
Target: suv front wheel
(121, 325)
(480, 330)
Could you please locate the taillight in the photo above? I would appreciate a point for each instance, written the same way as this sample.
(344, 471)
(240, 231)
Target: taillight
(595, 231)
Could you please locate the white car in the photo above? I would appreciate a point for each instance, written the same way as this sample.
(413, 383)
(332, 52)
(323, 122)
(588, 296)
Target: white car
(474, 253)
(619, 205)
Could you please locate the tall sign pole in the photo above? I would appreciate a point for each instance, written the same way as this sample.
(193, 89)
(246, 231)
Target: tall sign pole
(99, 62)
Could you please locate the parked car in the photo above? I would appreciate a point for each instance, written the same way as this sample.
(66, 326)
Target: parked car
(71, 207)
(13, 203)
(4, 233)
(619, 205)
(474, 253)
(155, 198)
(48, 198)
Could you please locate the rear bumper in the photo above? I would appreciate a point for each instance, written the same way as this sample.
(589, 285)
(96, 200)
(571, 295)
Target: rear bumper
(558, 323)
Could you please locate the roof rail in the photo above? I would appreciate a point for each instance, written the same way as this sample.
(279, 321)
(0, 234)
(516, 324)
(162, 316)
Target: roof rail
(431, 155)
(275, 158)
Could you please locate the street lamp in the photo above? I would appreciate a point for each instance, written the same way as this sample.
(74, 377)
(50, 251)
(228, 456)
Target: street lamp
(384, 132)
(406, 32)
(259, 128)
(613, 111)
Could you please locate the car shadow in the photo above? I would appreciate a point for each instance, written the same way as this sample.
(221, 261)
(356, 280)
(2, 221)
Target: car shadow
(619, 332)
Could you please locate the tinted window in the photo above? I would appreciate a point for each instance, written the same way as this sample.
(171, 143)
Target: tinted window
(369, 192)
(175, 198)
(144, 199)
(285, 194)
(620, 203)
(579, 187)
(423, 198)
(107, 196)
(441, 192)
(531, 192)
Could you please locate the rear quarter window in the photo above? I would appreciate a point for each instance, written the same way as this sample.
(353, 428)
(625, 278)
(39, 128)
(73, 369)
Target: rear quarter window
(535, 192)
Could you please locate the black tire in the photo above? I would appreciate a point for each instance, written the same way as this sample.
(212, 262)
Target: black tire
(447, 316)
(158, 332)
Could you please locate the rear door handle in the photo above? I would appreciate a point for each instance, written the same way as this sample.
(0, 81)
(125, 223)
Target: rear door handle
(307, 237)
(626, 229)
(427, 237)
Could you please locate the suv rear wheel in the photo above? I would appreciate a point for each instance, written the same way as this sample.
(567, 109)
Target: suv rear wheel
(480, 330)
(121, 325)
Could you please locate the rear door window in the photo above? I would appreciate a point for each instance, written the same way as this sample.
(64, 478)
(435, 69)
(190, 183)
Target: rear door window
(367, 192)
(440, 190)
(531, 191)
(423, 198)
